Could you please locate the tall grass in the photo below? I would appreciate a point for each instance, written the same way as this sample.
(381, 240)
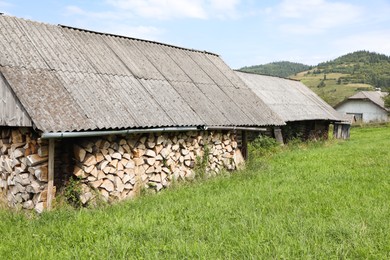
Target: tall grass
(319, 201)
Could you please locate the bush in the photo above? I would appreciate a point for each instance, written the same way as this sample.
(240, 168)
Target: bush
(262, 145)
(72, 192)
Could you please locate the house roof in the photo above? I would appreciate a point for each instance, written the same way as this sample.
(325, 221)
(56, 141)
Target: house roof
(290, 99)
(375, 97)
(69, 79)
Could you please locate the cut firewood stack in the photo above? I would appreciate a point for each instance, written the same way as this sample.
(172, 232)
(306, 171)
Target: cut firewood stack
(110, 167)
(118, 167)
(23, 168)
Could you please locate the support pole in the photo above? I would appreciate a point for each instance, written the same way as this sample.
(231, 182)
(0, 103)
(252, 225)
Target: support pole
(278, 135)
(50, 182)
(244, 148)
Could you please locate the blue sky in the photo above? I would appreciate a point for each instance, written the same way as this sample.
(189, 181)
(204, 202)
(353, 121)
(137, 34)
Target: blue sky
(243, 32)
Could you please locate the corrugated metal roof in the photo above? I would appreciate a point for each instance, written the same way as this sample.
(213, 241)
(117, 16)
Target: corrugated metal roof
(290, 99)
(12, 113)
(71, 80)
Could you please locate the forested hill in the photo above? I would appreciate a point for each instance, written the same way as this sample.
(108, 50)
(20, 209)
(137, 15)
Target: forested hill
(344, 76)
(336, 79)
(280, 68)
(360, 67)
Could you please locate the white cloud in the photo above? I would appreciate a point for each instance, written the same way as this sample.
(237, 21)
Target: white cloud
(111, 22)
(314, 16)
(132, 17)
(171, 9)
(140, 32)
(224, 8)
(108, 15)
(378, 41)
(4, 4)
(158, 9)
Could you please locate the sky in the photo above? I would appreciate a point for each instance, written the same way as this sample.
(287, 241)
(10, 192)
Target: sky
(242, 32)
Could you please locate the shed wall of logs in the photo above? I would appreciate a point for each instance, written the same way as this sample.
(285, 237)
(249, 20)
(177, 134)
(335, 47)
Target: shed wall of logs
(119, 167)
(23, 168)
(110, 168)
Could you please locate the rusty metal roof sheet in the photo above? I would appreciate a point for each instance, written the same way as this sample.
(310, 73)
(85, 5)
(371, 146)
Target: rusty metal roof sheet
(290, 99)
(70, 79)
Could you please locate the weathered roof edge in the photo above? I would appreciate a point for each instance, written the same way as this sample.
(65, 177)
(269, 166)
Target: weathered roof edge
(114, 35)
(135, 39)
(334, 119)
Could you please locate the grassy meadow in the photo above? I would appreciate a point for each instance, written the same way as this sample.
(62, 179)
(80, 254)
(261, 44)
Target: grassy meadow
(332, 92)
(325, 200)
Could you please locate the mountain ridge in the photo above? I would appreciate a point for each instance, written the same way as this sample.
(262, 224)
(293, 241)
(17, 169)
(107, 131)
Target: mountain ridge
(339, 78)
(278, 68)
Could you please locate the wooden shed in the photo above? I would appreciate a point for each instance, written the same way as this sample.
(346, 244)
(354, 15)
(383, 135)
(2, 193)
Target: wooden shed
(118, 113)
(306, 115)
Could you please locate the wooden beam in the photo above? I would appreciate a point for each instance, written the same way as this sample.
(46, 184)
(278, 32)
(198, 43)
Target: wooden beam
(50, 182)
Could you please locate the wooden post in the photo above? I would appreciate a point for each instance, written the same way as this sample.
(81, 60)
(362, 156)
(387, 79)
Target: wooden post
(278, 135)
(50, 182)
(244, 148)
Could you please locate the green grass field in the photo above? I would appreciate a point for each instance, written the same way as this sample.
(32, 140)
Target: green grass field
(317, 201)
(332, 92)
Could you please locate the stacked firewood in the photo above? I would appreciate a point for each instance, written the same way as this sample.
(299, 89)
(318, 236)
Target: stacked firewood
(23, 168)
(117, 167)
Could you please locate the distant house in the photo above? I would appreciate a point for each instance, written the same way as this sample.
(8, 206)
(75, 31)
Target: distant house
(306, 114)
(365, 106)
(117, 113)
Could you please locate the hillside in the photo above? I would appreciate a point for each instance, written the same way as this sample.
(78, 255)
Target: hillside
(342, 77)
(337, 79)
(279, 69)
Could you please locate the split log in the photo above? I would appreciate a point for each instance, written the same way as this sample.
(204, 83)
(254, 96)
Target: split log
(107, 185)
(99, 157)
(122, 142)
(126, 156)
(16, 136)
(150, 145)
(127, 178)
(130, 165)
(119, 186)
(34, 187)
(151, 169)
(35, 159)
(43, 151)
(138, 161)
(102, 165)
(101, 175)
(150, 153)
(89, 160)
(158, 148)
(91, 178)
(116, 155)
(96, 184)
(79, 172)
(151, 161)
(164, 153)
(79, 153)
(89, 169)
(17, 153)
(155, 178)
(120, 174)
